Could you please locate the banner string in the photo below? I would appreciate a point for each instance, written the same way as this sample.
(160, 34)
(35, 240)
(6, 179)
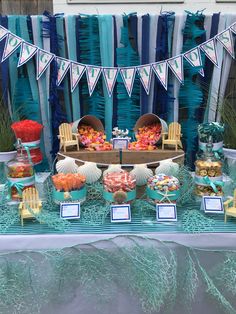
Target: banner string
(44, 58)
(124, 165)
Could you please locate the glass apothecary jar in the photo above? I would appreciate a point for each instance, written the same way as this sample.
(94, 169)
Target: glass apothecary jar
(119, 187)
(20, 174)
(208, 173)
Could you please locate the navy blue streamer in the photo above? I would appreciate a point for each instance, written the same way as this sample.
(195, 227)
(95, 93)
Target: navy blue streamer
(209, 66)
(58, 116)
(161, 97)
(4, 65)
(133, 31)
(145, 58)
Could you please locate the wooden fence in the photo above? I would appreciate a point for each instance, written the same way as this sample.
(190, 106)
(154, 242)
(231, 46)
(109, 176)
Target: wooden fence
(8, 7)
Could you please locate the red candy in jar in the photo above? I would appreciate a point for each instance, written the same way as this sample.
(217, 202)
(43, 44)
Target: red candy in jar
(29, 132)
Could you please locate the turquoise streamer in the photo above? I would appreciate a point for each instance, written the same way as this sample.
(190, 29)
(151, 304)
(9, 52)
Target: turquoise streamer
(42, 87)
(128, 107)
(62, 53)
(31, 104)
(106, 44)
(12, 26)
(71, 39)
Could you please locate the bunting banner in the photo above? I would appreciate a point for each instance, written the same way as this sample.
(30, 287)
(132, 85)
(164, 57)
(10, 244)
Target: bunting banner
(3, 32)
(209, 48)
(63, 66)
(145, 73)
(110, 76)
(226, 39)
(93, 72)
(26, 53)
(194, 58)
(232, 28)
(176, 65)
(128, 76)
(11, 44)
(161, 70)
(76, 72)
(44, 58)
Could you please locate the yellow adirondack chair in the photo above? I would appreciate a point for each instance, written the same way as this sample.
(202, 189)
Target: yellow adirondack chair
(230, 210)
(67, 138)
(30, 199)
(174, 135)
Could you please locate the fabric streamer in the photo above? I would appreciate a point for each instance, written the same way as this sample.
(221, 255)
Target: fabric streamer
(62, 53)
(89, 43)
(152, 57)
(42, 87)
(227, 61)
(213, 90)
(70, 25)
(4, 65)
(26, 97)
(190, 95)
(161, 96)
(128, 107)
(107, 56)
(58, 115)
(116, 43)
(176, 50)
(209, 66)
(145, 59)
(13, 78)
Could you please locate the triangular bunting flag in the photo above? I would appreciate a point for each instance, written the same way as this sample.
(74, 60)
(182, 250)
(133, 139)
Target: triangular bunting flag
(209, 48)
(128, 76)
(193, 56)
(145, 73)
(232, 27)
(110, 76)
(44, 58)
(3, 32)
(62, 68)
(176, 65)
(26, 53)
(11, 44)
(76, 72)
(161, 70)
(226, 39)
(92, 73)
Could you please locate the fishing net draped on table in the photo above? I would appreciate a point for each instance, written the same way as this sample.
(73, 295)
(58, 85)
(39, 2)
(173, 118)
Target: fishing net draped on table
(125, 274)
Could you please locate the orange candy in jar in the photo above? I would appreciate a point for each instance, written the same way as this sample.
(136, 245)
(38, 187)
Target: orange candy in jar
(20, 175)
(147, 137)
(68, 182)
